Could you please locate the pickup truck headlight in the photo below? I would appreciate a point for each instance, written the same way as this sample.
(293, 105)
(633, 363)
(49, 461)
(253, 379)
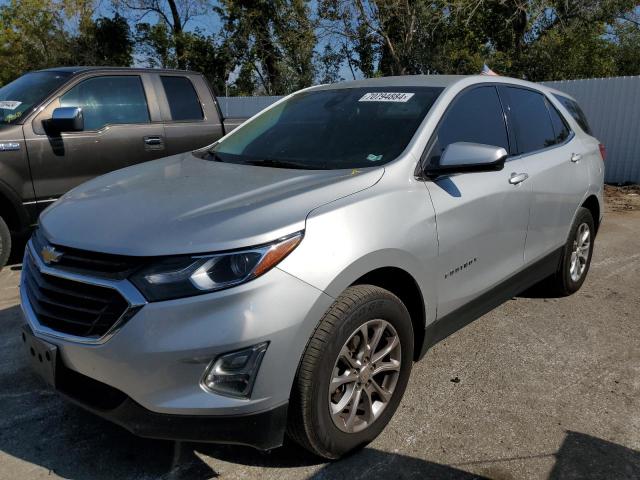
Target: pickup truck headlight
(184, 276)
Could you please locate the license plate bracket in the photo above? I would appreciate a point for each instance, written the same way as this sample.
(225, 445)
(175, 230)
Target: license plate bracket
(42, 356)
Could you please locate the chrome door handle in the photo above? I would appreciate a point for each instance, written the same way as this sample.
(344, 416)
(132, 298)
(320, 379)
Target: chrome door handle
(517, 178)
(576, 157)
(153, 140)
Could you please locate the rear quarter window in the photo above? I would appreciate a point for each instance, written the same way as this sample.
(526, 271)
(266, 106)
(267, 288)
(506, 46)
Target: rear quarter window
(576, 112)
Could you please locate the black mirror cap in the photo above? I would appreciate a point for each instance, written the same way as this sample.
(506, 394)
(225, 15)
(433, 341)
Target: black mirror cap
(66, 119)
(433, 171)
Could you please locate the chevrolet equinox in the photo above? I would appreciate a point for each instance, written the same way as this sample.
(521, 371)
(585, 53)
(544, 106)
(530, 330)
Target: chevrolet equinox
(284, 279)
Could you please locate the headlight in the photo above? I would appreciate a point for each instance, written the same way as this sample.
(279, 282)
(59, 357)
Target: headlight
(184, 276)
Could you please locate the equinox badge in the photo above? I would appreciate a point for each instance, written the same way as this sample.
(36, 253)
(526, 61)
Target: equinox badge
(50, 255)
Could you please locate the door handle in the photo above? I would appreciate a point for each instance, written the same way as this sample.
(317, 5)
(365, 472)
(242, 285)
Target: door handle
(576, 157)
(153, 140)
(517, 178)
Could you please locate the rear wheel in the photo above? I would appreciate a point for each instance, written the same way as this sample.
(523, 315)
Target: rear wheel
(5, 243)
(353, 372)
(576, 256)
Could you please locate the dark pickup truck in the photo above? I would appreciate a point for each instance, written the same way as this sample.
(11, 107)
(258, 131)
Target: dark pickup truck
(62, 126)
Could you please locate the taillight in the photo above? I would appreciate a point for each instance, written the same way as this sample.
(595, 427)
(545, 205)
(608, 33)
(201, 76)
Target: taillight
(603, 151)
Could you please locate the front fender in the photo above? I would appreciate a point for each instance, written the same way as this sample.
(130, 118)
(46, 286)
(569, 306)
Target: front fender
(375, 228)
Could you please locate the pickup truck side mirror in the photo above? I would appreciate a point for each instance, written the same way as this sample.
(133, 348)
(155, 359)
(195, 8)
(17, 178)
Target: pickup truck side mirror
(67, 119)
(465, 157)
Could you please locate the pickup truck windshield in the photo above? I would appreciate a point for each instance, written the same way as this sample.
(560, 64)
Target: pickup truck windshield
(20, 96)
(331, 129)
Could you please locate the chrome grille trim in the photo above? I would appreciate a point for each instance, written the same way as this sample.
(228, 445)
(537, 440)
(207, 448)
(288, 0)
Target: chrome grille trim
(131, 295)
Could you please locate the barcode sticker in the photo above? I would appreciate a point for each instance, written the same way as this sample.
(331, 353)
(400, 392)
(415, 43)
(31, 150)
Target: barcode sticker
(386, 97)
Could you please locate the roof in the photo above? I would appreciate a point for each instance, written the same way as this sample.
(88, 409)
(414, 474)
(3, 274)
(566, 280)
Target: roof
(81, 69)
(440, 81)
(399, 81)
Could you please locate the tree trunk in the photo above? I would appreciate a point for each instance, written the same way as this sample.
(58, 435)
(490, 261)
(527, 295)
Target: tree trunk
(177, 34)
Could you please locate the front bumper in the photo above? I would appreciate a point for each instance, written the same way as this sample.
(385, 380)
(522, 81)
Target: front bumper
(262, 430)
(158, 357)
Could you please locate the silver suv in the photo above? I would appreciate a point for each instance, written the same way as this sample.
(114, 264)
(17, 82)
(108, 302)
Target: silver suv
(284, 279)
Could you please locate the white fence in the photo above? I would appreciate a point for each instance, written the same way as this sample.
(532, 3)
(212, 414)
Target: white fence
(612, 106)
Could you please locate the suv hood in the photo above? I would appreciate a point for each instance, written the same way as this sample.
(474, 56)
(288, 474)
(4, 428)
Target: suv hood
(184, 204)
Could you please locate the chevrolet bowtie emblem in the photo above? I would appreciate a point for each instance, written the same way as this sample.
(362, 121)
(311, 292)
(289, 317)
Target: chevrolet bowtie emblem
(50, 255)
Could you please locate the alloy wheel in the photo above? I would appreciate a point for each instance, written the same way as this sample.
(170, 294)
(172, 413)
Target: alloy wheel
(364, 376)
(580, 252)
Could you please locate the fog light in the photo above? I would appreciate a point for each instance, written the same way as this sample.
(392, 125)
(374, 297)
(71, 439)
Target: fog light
(234, 373)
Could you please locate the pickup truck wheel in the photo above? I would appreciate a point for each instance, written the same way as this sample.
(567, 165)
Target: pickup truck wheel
(576, 256)
(5, 243)
(353, 372)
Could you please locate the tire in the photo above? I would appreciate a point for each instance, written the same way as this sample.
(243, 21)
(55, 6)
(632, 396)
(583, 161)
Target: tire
(570, 277)
(5, 243)
(337, 348)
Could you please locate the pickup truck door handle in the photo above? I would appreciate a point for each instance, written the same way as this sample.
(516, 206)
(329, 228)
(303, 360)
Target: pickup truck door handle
(576, 157)
(153, 141)
(517, 178)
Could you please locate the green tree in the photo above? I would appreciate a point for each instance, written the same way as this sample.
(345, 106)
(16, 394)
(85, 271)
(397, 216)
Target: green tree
(32, 36)
(533, 39)
(104, 41)
(172, 18)
(275, 38)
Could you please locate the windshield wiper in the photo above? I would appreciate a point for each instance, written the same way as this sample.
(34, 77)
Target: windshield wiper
(275, 163)
(213, 155)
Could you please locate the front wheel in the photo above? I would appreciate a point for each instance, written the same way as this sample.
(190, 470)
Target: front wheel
(353, 372)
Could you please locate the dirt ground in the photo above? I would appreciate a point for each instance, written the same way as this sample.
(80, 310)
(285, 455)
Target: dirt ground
(540, 388)
(622, 199)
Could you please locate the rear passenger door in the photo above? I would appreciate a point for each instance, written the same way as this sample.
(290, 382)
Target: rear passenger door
(553, 158)
(119, 130)
(189, 113)
(481, 217)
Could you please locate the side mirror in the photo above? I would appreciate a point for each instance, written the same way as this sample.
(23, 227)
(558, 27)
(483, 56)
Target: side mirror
(465, 157)
(67, 119)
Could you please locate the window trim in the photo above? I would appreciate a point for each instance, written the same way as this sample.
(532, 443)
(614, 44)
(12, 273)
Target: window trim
(420, 167)
(540, 150)
(168, 104)
(107, 125)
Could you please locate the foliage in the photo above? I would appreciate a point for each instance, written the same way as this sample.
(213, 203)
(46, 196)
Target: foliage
(278, 46)
(272, 42)
(35, 34)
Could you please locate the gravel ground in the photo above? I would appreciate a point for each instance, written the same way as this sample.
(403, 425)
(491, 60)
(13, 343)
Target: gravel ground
(539, 388)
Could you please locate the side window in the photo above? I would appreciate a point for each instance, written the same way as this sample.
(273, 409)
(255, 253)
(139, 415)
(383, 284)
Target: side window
(576, 112)
(531, 120)
(109, 100)
(183, 100)
(560, 128)
(475, 117)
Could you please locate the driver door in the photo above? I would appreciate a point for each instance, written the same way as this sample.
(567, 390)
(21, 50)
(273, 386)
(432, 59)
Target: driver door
(119, 130)
(481, 217)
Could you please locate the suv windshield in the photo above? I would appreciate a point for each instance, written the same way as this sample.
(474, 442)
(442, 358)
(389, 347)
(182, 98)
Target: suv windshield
(331, 129)
(18, 97)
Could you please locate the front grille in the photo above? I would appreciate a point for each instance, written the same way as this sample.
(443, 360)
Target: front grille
(71, 307)
(104, 265)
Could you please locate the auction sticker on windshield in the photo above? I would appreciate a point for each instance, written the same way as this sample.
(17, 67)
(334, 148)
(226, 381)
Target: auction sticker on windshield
(9, 104)
(386, 97)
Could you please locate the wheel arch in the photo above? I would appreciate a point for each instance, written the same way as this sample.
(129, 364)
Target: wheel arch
(12, 210)
(403, 285)
(592, 204)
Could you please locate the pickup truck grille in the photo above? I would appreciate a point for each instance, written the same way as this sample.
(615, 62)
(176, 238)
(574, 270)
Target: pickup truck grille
(71, 307)
(90, 263)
